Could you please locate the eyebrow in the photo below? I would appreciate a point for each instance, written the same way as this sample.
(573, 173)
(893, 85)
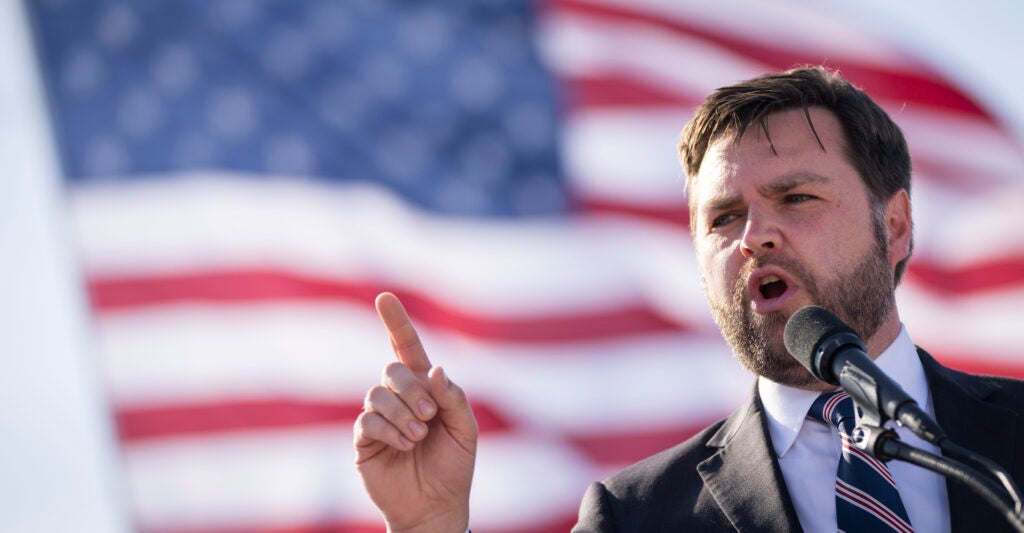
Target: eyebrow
(722, 203)
(788, 182)
(780, 185)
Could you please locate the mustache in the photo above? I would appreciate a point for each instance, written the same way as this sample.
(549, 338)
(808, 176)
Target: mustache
(792, 267)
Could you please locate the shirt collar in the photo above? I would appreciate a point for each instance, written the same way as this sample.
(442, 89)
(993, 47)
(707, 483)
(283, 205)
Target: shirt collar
(787, 407)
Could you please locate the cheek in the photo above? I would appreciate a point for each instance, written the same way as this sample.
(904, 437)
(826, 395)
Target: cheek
(718, 270)
(836, 253)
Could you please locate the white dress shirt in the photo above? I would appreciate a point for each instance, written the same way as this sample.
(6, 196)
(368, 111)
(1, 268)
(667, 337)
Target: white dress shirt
(809, 451)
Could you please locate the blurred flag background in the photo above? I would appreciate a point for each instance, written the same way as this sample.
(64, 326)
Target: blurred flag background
(238, 179)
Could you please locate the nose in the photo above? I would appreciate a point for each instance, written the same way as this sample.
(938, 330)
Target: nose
(760, 234)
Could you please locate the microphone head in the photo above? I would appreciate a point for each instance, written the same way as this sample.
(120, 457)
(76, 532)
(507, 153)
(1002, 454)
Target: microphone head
(805, 336)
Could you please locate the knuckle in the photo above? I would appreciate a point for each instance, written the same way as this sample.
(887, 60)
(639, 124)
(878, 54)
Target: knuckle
(376, 397)
(458, 394)
(393, 369)
(357, 426)
(400, 379)
(363, 427)
(372, 427)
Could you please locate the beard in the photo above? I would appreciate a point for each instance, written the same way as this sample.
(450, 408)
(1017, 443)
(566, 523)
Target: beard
(862, 296)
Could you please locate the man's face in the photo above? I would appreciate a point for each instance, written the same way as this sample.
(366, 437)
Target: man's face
(775, 232)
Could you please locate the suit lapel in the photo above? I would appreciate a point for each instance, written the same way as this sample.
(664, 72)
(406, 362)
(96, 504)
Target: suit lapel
(976, 425)
(744, 477)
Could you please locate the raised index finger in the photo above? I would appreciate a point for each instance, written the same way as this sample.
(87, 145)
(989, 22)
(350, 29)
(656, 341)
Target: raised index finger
(404, 340)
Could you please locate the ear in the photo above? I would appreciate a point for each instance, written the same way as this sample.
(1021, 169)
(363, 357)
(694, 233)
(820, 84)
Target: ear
(900, 225)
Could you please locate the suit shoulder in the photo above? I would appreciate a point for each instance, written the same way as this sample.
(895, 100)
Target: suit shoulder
(1000, 390)
(1012, 386)
(1005, 391)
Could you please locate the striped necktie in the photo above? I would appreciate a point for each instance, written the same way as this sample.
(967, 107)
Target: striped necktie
(866, 494)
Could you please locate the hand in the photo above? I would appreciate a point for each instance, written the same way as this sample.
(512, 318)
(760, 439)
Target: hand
(416, 439)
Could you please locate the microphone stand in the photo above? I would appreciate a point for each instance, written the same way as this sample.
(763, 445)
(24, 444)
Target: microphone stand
(884, 444)
(837, 356)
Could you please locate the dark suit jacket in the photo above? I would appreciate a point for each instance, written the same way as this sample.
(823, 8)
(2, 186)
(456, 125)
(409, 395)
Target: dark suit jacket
(727, 477)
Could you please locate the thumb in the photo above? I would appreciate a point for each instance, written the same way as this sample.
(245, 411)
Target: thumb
(453, 407)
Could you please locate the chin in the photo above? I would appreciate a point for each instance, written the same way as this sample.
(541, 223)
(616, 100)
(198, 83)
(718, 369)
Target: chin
(779, 367)
(805, 381)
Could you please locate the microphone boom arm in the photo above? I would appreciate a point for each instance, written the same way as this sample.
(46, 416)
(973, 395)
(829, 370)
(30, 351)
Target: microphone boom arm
(884, 445)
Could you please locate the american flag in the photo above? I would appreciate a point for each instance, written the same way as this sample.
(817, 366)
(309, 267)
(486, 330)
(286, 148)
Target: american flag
(243, 177)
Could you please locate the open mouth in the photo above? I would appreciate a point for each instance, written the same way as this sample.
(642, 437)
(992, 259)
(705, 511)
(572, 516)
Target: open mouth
(772, 287)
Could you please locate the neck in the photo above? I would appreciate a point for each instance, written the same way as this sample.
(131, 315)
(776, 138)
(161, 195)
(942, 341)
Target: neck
(884, 337)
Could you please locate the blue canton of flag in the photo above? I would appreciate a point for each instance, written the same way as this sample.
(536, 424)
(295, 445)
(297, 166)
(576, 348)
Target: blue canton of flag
(449, 106)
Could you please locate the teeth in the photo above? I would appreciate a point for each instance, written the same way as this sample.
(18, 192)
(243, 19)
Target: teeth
(769, 279)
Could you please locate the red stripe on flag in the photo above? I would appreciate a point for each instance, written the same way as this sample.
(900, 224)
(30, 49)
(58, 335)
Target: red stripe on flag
(559, 523)
(628, 446)
(988, 275)
(321, 527)
(138, 424)
(611, 90)
(248, 286)
(143, 424)
(978, 364)
(883, 84)
(960, 174)
(676, 215)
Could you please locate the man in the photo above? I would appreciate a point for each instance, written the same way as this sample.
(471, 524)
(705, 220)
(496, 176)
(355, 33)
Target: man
(799, 194)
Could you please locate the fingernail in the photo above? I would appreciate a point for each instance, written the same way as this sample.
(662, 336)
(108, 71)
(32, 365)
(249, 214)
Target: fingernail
(417, 428)
(406, 443)
(426, 408)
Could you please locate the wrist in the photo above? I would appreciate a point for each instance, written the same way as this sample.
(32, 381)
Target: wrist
(447, 523)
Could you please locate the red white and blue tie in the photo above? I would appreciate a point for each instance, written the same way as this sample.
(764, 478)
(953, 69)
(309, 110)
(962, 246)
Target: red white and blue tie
(866, 494)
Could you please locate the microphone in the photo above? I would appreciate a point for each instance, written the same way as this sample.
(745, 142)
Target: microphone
(835, 354)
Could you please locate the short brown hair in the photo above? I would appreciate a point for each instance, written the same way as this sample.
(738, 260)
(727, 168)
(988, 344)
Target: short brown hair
(874, 145)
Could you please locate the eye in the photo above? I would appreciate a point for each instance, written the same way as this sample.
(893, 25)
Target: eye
(722, 220)
(797, 198)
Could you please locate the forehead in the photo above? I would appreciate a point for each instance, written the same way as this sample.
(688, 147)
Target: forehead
(791, 142)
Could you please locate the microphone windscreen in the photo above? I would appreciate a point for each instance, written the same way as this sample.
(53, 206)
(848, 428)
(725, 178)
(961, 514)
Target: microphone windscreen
(806, 329)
